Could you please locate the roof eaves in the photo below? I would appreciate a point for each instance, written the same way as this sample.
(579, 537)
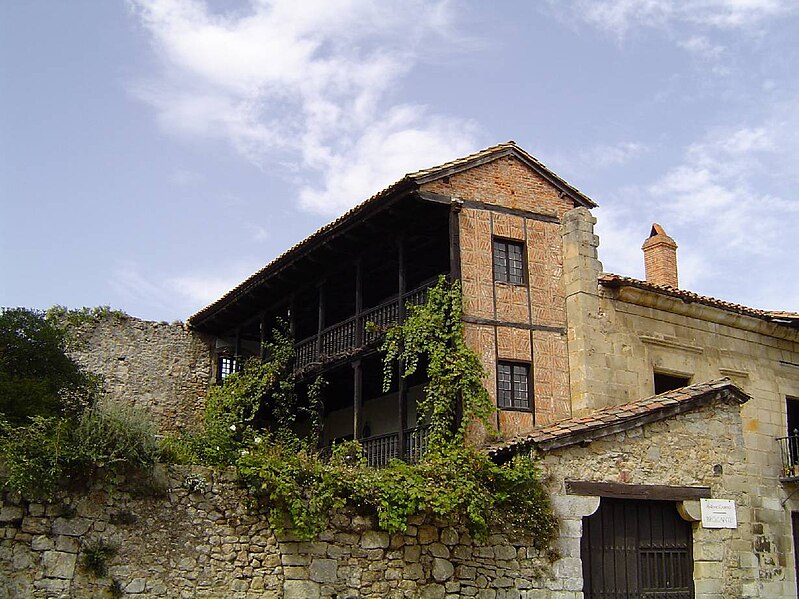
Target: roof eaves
(294, 252)
(616, 419)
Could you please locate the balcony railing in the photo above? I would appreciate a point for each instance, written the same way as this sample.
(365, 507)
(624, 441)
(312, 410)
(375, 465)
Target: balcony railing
(344, 336)
(380, 449)
(789, 456)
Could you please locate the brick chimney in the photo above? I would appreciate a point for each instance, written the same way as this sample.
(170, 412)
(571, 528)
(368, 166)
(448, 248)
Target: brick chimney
(660, 258)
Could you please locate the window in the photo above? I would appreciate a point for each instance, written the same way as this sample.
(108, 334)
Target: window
(513, 386)
(509, 261)
(227, 365)
(667, 382)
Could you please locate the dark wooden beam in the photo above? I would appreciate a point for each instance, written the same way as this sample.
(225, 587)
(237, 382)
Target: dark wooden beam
(358, 302)
(320, 322)
(357, 399)
(454, 242)
(264, 335)
(625, 491)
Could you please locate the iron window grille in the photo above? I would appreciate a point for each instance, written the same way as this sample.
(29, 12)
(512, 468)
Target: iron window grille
(509, 261)
(513, 386)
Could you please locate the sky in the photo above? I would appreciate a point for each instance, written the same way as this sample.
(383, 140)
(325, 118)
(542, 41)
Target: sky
(155, 153)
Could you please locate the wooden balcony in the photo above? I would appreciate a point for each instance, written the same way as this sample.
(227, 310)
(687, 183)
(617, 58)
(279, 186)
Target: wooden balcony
(352, 334)
(381, 449)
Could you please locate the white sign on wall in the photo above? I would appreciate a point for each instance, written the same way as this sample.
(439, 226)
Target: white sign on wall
(718, 513)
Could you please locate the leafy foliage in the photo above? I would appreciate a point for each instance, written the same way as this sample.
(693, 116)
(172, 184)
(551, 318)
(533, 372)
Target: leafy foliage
(105, 439)
(95, 556)
(76, 317)
(51, 424)
(37, 377)
(433, 332)
(299, 488)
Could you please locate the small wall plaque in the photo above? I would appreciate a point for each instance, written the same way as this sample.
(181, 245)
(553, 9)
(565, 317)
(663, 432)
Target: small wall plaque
(718, 513)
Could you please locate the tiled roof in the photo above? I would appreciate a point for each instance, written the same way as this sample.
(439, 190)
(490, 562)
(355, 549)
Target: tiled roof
(611, 280)
(615, 419)
(409, 181)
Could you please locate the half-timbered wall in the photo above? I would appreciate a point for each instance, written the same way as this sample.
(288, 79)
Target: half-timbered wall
(505, 200)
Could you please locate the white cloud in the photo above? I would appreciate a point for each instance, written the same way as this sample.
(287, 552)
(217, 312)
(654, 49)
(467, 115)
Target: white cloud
(618, 17)
(607, 155)
(305, 83)
(728, 205)
(178, 295)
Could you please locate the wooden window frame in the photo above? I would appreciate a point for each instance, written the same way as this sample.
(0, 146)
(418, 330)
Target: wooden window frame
(528, 374)
(503, 274)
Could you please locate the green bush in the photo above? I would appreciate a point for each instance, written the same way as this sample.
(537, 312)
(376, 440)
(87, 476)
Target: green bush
(95, 556)
(37, 377)
(105, 439)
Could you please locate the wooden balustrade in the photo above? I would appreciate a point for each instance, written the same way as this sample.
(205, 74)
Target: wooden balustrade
(342, 337)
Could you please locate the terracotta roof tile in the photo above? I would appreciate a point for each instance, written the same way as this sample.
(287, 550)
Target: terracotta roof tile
(788, 318)
(615, 419)
(410, 180)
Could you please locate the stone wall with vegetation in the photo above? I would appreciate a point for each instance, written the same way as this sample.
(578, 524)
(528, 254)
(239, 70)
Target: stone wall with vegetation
(162, 368)
(192, 532)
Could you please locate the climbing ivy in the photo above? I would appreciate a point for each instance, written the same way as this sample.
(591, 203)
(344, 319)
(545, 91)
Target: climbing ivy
(433, 332)
(300, 486)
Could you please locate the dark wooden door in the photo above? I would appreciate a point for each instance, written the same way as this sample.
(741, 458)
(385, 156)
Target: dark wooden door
(636, 549)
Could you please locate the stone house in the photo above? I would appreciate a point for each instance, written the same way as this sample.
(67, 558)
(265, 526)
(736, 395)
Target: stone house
(573, 358)
(655, 411)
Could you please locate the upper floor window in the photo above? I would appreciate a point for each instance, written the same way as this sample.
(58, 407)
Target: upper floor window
(666, 382)
(513, 386)
(227, 365)
(509, 261)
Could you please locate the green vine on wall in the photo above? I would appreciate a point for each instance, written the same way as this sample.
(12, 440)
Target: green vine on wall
(433, 332)
(300, 489)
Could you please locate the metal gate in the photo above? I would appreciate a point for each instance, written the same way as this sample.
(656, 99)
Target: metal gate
(636, 549)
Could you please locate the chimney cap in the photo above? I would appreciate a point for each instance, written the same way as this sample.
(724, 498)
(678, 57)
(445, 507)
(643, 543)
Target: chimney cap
(658, 236)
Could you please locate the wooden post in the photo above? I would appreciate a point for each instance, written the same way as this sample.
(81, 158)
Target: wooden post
(357, 399)
(455, 240)
(402, 387)
(293, 318)
(358, 303)
(264, 334)
(321, 319)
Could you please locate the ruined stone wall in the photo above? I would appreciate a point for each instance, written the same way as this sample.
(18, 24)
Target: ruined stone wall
(199, 538)
(162, 368)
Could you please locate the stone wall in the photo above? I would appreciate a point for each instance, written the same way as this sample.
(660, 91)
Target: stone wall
(160, 367)
(700, 448)
(199, 538)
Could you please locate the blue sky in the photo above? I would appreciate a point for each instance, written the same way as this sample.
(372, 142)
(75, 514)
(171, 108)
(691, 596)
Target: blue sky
(155, 153)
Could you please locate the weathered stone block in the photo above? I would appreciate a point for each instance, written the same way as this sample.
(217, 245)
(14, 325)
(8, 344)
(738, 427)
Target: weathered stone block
(41, 543)
(324, 570)
(72, 527)
(58, 564)
(11, 513)
(301, 589)
(442, 569)
(433, 591)
(375, 539)
(427, 534)
(136, 586)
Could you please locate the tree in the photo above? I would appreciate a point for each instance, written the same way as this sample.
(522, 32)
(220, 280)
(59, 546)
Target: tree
(37, 377)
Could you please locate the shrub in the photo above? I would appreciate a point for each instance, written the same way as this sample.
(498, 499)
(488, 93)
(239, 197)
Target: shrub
(37, 377)
(114, 437)
(95, 557)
